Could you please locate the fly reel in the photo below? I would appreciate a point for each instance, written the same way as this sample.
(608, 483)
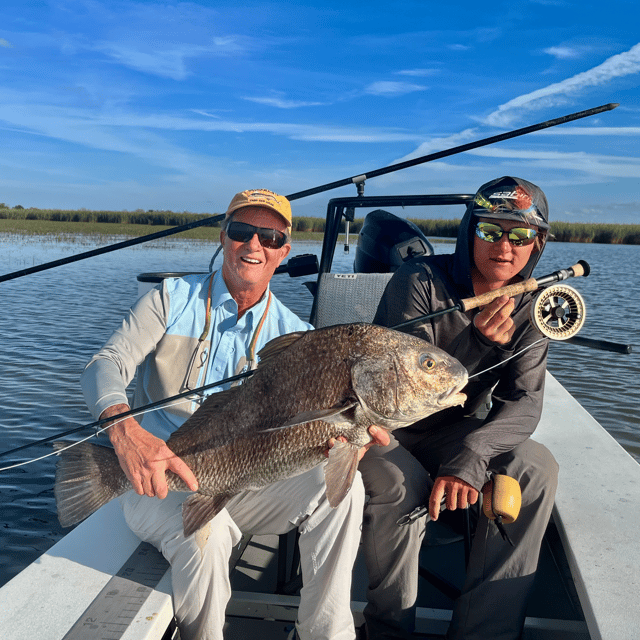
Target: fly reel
(558, 312)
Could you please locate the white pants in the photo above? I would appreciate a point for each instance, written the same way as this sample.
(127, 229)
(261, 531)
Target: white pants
(329, 540)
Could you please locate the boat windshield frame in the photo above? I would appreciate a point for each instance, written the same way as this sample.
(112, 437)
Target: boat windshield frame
(339, 208)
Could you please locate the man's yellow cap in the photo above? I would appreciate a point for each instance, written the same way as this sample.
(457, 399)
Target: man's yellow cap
(262, 198)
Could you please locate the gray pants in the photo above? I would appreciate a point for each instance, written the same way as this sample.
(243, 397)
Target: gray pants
(499, 577)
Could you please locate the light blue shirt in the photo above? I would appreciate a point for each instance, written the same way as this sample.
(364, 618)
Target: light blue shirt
(160, 332)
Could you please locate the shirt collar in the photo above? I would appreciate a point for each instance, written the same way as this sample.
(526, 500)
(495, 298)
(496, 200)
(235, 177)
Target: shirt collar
(220, 295)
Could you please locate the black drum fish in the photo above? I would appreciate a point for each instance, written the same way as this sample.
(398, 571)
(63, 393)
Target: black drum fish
(308, 388)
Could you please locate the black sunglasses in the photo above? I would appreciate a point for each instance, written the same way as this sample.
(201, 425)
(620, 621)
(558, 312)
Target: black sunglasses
(243, 232)
(518, 237)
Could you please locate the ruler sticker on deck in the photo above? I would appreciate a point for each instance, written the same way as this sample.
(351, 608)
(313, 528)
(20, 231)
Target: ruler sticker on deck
(115, 607)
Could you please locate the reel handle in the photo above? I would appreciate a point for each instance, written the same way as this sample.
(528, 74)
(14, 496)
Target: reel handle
(579, 269)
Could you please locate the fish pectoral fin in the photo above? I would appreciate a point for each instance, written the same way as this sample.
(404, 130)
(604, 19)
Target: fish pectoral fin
(333, 415)
(340, 471)
(198, 509)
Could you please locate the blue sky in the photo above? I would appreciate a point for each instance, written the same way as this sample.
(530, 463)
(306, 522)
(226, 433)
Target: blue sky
(177, 105)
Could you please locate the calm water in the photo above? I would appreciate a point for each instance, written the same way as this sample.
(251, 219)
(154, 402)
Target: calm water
(53, 322)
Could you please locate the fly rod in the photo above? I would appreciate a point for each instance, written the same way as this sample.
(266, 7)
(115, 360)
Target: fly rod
(325, 187)
(111, 247)
(454, 150)
(532, 284)
(558, 312)
(124, 414)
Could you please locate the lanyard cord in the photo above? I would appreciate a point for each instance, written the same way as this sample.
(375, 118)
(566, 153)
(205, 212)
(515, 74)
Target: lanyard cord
(252, 362)
(207, 322)
(251, 352)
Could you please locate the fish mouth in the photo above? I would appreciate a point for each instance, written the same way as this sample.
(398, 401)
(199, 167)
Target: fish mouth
(453, 397)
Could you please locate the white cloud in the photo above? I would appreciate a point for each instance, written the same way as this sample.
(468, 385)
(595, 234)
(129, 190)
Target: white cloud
(617, 66)
(593, 164)
(417, 72)
(387, 88)
(440, 144)
(5, 43)
(563, 53)
(166, 60)
(591, 131)
(281, 103)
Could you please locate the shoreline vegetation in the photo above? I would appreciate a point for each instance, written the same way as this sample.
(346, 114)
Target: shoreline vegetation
(66, 223)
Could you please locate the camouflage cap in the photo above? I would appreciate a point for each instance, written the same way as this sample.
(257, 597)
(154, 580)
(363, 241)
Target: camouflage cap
(262, 198)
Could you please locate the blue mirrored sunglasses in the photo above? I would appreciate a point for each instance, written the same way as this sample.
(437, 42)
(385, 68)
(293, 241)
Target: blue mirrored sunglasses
(518, 236)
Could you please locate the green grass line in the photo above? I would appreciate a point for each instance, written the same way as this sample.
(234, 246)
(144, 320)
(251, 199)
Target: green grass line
(67, 223)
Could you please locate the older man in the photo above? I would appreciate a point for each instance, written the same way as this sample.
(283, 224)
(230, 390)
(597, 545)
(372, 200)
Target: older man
(189, 332)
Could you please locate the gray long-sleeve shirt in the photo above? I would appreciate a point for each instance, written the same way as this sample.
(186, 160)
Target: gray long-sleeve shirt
(426, 284)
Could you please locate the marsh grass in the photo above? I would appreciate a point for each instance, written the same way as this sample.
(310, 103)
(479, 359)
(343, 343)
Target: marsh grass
(138, 223)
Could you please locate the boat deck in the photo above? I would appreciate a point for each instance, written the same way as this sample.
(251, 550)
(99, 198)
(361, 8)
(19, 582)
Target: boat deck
(586, 587)
(554, 611)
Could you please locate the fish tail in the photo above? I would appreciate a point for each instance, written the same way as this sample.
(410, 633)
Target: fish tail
(87, 477)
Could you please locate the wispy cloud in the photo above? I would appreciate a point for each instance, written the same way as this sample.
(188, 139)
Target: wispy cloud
(389, 88)
(281, 103)
(418, 73)
(617, 66)
(591, 131)
(594, 164)
(5, 43)
(164, 59)
(564, 53)
(440, 143)
(142, 136)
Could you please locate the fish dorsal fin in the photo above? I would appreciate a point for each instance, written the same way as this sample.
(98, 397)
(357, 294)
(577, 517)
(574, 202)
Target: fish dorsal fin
(340, 471)
(275, 346)
(332, 415)
(214, 402)
(198, 509)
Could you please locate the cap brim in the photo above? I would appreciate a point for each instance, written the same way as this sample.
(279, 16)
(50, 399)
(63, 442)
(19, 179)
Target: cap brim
(261, 205)
(538, 222)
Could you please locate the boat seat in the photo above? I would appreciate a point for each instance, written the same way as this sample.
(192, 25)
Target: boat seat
(354, 297)
(340, 298)
(348, 297)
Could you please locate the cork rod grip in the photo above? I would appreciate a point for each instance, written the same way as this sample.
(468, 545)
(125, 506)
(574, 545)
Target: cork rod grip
(511, 290)
(581, 268)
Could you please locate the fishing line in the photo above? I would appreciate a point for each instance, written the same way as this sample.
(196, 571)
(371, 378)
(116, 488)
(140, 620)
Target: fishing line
(184, 401)
(533, 344)
(96, 433)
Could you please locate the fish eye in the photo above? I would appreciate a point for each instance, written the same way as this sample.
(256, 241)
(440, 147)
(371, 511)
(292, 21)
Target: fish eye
(427, 362)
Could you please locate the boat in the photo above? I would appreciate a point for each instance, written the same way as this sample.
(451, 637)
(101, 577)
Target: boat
(99, 581)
